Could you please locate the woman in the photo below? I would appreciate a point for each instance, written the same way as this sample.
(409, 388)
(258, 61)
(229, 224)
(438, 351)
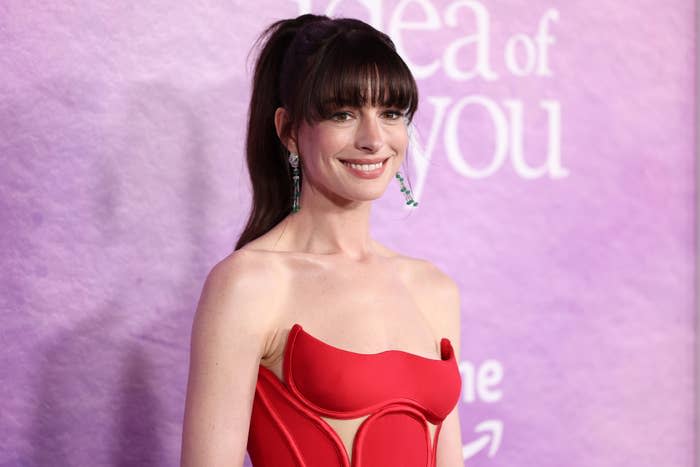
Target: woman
(289, 342)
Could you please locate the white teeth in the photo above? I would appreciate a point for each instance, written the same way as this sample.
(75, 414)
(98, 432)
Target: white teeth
(364, 167)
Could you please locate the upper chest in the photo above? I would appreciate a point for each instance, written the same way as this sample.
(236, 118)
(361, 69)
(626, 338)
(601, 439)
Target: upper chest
(364, 308)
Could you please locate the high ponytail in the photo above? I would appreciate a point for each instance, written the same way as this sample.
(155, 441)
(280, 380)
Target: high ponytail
(311, 65)
(265, 155)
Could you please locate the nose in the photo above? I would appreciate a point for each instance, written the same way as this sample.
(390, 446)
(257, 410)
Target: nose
(369, 135)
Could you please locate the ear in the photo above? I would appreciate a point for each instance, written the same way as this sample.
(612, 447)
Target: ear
(281, 117)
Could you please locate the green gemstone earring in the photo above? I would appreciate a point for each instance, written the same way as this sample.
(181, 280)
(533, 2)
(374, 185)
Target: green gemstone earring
(294, 162)
(407, 193)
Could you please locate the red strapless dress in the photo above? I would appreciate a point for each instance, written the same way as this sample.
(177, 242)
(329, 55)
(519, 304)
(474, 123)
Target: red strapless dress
(399, 391)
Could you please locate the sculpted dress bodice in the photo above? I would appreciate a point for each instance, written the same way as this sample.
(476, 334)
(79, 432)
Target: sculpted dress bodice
(398, 393)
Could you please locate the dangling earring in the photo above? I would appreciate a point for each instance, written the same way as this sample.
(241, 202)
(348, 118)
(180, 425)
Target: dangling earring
(294, 161)
(407, 193)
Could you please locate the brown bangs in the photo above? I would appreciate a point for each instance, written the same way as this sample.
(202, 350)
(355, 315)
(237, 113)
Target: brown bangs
(353, 65)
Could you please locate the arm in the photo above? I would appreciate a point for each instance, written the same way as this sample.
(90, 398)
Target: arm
(229, 336)
(449, 451)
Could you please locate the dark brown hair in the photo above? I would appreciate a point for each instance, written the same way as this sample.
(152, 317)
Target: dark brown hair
(311, 65)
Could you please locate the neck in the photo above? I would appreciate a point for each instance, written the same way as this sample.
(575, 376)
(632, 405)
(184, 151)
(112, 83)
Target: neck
(324, 227)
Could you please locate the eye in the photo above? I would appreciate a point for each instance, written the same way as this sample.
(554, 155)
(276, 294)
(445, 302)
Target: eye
(395, 114)
(338, 116)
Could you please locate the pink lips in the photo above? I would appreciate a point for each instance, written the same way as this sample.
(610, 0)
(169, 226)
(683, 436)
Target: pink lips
(368, 174)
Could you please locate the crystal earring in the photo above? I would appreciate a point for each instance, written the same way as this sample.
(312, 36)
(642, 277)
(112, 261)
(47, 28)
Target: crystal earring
(294, 162)
(407, 193)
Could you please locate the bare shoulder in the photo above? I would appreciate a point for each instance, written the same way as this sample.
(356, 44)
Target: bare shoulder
(249, 259)
(237, 288)
(420, 272)
(230, 333)
(245, 268)
(428, 278)
(436, 292)
(242, 273)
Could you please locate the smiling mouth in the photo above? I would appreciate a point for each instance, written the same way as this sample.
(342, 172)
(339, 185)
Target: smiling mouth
(365, 166)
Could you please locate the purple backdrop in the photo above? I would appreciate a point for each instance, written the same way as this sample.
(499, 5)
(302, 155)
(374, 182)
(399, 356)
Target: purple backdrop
(553, 161)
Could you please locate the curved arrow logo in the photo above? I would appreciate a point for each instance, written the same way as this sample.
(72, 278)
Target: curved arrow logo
(492, 433)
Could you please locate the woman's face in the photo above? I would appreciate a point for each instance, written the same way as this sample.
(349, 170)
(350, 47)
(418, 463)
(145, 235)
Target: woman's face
(353, 155)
